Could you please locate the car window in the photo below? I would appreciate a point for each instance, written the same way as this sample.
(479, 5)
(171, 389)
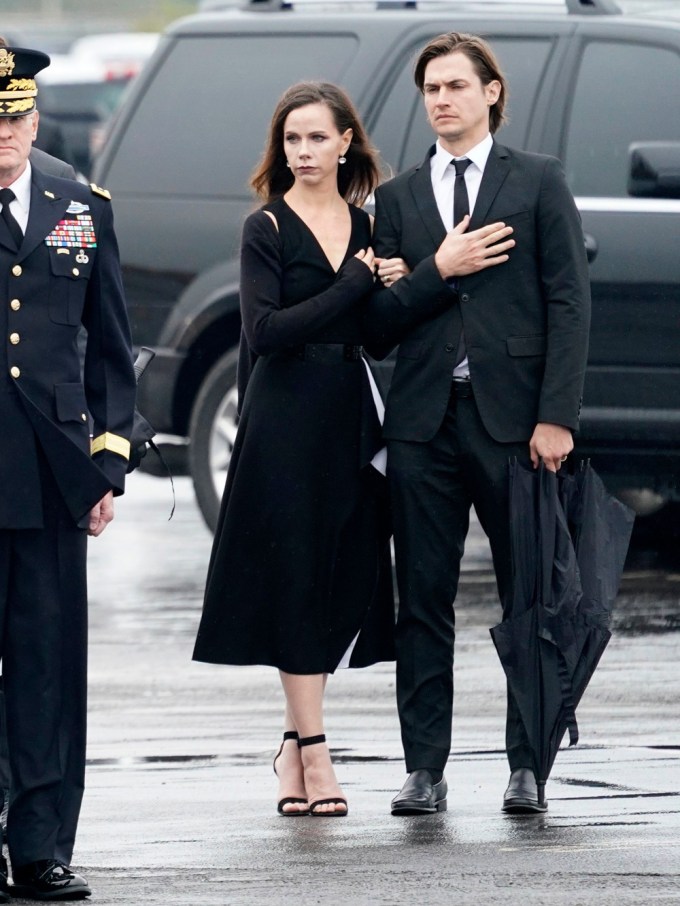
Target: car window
(208, 109)
(625, 92)
(523, 61)
(73, 99)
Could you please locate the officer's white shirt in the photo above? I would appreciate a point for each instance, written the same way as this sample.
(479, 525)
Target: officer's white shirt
(21, 205)
(443, 176)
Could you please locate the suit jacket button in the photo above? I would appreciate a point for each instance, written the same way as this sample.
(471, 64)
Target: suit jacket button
(17, 270)
(465, 298)
(449, 347)
(14, 339)
(15, 305)
(15, 372)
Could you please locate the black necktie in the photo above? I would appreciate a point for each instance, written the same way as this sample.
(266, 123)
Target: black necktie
(461, 202)
(461, 207)
(7, 196)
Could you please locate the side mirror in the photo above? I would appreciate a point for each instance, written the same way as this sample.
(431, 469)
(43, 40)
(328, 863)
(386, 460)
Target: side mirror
(654, 170)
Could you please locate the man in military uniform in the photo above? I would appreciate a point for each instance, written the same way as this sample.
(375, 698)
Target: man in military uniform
(63, 455)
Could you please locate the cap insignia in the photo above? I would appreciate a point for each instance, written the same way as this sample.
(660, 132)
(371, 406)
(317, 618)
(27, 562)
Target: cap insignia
(6, 62)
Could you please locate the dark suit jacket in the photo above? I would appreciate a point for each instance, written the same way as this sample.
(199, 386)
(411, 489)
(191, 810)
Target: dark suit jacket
(50, 165)
(48, 395)
(526, 322)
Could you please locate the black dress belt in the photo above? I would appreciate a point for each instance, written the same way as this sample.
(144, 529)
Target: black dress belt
(462, 389)
(328, 353)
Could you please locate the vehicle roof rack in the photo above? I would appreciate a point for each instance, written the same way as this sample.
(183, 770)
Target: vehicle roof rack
(574, 7)
(593, 7)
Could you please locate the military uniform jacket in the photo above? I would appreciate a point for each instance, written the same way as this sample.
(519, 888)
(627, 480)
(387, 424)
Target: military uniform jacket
(75, 407)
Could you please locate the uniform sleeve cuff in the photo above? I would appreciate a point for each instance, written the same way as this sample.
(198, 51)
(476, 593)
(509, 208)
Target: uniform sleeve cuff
(112, 442)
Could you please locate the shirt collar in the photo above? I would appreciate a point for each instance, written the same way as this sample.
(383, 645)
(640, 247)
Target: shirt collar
(478, 155)
(22, 188)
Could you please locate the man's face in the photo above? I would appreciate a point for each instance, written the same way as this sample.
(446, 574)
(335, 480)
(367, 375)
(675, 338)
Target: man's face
(456, 101)
(16, 138)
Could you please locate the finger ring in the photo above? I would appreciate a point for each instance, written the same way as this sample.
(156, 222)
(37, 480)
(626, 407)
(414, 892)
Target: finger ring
(564, 459)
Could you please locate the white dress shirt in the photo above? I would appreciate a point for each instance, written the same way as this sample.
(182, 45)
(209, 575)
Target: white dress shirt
(443, 176)
(21, 205)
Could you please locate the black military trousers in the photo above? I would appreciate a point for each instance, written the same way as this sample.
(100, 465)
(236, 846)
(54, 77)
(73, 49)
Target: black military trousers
(43, 643)
(432, 486)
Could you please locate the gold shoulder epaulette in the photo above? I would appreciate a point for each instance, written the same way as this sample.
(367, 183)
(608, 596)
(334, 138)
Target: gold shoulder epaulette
(99, 191)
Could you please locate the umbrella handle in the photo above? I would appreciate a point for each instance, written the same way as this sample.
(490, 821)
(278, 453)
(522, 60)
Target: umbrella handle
(143, 359)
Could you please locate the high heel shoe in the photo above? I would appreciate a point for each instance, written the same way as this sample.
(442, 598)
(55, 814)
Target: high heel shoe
(333, 800)
(288, 800)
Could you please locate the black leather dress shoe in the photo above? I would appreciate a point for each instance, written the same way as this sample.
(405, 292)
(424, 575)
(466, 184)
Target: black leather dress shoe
(48, 880)
(521, 796)
(420, 795)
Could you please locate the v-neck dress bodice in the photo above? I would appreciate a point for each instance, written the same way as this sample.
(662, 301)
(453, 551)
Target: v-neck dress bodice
(300, 566)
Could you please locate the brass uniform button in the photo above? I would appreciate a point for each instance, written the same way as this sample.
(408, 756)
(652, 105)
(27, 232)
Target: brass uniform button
(17, 270)
(14, 339)
(15, 305)
(83, 416)
(14, 371)
(76, 272)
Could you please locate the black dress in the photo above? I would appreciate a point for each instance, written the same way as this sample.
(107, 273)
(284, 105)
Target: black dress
(300, 562)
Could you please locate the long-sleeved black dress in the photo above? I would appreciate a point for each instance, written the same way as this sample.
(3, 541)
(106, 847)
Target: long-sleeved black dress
(300, 562)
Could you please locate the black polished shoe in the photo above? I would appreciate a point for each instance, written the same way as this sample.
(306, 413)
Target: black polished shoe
(521, 796)
(4, 886)
(48, 880)
(420, 795)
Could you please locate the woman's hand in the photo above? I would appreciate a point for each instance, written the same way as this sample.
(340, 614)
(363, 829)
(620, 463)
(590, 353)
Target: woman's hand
(391, 269)
(367, 256)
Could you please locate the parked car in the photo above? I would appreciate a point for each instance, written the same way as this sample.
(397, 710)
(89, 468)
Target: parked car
(121, 54)
(79, 97)
(595, 86)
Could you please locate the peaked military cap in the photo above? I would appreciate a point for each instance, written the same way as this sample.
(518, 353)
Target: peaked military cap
(18, 90)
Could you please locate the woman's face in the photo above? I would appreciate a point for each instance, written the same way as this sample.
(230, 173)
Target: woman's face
(312, 144)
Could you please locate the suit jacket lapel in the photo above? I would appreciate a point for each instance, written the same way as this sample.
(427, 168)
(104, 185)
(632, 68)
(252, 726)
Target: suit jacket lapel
(496, 169)
(420, 184)
(47, 209)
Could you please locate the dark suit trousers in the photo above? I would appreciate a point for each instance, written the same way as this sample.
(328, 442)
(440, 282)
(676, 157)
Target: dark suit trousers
(433, 485)
(43, 642)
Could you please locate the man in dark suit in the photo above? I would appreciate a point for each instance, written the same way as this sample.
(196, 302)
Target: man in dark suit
(60, 270)
(492, 323)
(50, 165)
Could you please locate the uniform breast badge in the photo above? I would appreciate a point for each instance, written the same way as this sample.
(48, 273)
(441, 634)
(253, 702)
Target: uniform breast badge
(75, 232)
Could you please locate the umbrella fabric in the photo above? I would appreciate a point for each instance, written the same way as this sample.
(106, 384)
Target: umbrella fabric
(569, 542)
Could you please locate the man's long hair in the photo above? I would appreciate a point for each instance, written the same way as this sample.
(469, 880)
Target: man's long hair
(482, 58)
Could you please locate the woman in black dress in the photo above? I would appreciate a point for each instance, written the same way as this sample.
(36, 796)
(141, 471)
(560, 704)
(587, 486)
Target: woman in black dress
(300, 572)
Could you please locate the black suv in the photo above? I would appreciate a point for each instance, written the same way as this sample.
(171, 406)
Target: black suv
(595, 86)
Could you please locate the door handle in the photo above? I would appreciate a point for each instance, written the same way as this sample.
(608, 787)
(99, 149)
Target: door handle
(591, 247)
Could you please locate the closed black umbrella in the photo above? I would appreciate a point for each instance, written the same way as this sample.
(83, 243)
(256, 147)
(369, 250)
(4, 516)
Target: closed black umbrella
(569, 543)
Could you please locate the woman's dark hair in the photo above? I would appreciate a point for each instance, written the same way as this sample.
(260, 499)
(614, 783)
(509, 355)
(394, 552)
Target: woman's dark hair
(357, 178)
(482, 58)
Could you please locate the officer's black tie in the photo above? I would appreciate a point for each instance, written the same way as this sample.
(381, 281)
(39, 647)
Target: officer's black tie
(461, 207)
(6, 197)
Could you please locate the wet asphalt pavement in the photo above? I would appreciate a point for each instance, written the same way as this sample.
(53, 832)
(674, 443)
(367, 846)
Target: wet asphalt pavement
(180, 801)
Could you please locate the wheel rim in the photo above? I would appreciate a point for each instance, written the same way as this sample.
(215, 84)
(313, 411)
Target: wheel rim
(222, 437)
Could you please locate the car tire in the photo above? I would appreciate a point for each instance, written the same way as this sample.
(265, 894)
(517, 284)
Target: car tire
(212, 431)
